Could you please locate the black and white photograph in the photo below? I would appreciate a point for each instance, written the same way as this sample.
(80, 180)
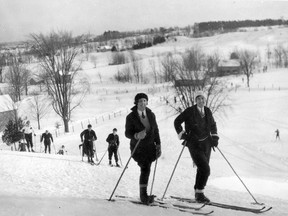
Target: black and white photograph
(143, 107)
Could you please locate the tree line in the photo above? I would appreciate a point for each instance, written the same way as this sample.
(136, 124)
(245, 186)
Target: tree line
(230, 25)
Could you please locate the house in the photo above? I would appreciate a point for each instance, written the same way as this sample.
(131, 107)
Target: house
(228, 67)
(6, 110)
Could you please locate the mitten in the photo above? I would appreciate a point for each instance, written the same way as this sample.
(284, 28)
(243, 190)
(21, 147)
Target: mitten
(215, 139)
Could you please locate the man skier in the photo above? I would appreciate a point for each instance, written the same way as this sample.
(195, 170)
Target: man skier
(113, 145)
(89, 136)
(28, 130)
(47, 141)
(141, 125)
(201, 135)
(277, 134)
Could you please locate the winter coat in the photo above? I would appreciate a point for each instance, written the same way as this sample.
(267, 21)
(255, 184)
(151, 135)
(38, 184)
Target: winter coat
(46, 138)
(88, 135)
(27, 129)
(146, 150)
(113, 140)
(190, 117)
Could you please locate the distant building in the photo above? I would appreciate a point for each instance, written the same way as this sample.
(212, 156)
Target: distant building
(6, 110)
(228, 67)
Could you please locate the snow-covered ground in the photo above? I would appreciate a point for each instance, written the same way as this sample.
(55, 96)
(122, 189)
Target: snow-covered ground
(39, 184)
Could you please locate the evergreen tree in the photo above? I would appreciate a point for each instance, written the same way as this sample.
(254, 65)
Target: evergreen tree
(12, 131)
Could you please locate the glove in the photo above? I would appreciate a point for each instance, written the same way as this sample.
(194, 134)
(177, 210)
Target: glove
(140, 135)
(34, 134)
(158, 151)
(183, 135)
(215, 139)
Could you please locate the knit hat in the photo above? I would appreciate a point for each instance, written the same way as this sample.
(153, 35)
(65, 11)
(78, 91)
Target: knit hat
(89, 126)
(199, 93)
(140, 96)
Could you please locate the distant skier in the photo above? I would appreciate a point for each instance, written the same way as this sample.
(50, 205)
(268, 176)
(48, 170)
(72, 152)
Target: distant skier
(141, 125)
(277, 134)
(47, 137)
(113, 145)
(89, 136)
(62, 151)
(28, 130)
(200, 134)
(21, 146)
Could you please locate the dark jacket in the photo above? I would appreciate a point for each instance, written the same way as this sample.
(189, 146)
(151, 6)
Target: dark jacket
(46, 138)
(88, 135)
(146, 150)
(113, 140)
(189, 116)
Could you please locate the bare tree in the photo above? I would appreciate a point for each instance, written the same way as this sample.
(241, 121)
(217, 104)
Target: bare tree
(154, 71)
(193, 73)
(168, 65)
(278, 55)
(2, 65)
(117, 58)
(100, 76)
(248, 60)
(124, 75)
(57, 55)
(17, 77)
(39, 107)
(136, 67)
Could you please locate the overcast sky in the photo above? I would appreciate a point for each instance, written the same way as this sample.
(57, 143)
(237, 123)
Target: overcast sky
(19, 18)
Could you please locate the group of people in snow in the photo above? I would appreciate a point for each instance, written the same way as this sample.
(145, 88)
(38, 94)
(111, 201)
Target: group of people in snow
(199, 135)
(88, 136)
(47, 137)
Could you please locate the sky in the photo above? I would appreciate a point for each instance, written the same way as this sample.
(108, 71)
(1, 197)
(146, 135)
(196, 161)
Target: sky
(19, 18)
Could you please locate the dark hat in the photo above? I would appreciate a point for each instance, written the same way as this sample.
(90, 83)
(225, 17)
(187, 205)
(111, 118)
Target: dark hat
(89, 126)
(140, 96)
(115, 129)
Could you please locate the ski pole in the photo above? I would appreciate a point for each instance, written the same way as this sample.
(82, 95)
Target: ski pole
(152, 184)
(124, 169)
(96, 158)
(239, 178)
(102, 157)
(54, 147)
(81, 150)
(119, 157)
(184, 145)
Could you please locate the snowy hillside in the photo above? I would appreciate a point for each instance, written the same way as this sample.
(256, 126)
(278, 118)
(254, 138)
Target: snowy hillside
(39, 184)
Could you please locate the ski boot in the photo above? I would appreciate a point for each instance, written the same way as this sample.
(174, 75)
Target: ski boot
(201, 198)
(117, 165)
(145, 199)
